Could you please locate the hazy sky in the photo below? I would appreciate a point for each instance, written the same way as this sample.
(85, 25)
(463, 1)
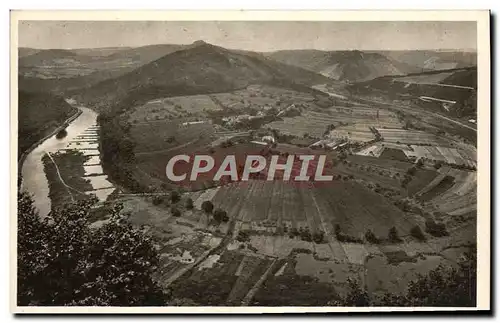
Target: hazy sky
(257, 36)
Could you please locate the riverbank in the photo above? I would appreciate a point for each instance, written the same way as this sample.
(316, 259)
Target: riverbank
(64, 125)
(65, 174)
(34, 178)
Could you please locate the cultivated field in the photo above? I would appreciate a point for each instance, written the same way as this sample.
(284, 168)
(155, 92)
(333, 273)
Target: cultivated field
(280, 207)
(189, 107)
(446, 154)
(314, 123)
(461, 195)
(413, 137)
(458, 156)
(157, 136)
(354, 133)
(259, 96)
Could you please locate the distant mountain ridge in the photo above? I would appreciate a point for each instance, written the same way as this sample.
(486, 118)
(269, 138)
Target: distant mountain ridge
(350, 66)
(198, 68)
(434, 59)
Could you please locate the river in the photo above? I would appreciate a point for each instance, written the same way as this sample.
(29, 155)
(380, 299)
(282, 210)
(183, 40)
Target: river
(34, 179)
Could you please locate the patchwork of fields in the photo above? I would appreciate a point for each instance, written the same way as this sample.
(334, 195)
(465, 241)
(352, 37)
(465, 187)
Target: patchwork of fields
(413, 137)
(450, 155)
(272, 206)
(359, 119)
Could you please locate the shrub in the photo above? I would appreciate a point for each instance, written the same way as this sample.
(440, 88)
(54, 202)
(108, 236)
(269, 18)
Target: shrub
(393, 235)
(175, 196)
(243, 236)
(207, 206)
(175, 212)
(435, 229)
(189, 203)
(438, 164)
(370, 237)
(219, 215)
(157, 200)
(306, 235)
(318, 237)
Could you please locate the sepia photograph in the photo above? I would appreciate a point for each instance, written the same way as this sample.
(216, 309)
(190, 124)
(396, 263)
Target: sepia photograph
(177, 162)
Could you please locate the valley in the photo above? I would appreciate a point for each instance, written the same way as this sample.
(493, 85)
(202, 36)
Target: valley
(402, 202)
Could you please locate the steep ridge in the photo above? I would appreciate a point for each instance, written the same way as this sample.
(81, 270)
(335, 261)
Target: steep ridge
(199, 68)
(350, 66)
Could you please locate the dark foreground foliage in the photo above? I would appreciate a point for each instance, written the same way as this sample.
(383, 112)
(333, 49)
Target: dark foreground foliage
(63, 261)
(441, 287)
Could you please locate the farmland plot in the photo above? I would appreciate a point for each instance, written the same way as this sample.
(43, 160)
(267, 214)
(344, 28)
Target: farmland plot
(262, 205)
(382, 276)
(445, 154)
(412, 137)
(353, 133)
(210, 286)
(250, 270)
(314, 123)
(173, 107)
(159, 136)
(461, 197)
(256, 96)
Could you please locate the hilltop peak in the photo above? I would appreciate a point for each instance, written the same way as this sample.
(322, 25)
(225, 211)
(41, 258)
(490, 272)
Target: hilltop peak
(200, 43)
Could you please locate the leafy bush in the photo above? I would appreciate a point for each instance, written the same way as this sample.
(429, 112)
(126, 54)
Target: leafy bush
(393, 235)
(319, 237)
(175, 196)
(370, 237)
(207, 206)
(435, 229)
(157, 200)
(175, 211)
(243, 236)
(219, 215)
(189, 203)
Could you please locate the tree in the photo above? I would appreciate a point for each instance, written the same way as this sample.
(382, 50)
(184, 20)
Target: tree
(450, 286)
(61, 134)
(189, 203)
(438, 164)
(219, 215)
(62, 261)
(435, 229)
(175, 211)
(393, 235)
(357, 297)
(318, 236)
(157, 200)
(370, 237)
(175, 196)
(207, 206)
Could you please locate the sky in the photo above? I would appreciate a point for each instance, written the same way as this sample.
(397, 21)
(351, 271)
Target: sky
(255, 36)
